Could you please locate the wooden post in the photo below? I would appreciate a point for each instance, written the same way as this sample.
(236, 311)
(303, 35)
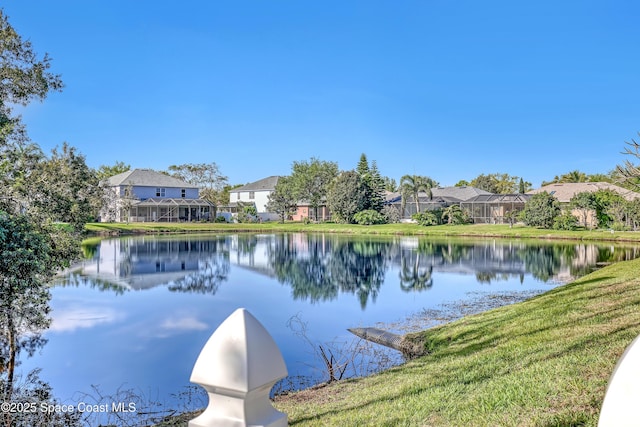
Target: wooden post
(238, 366)
(620, 407)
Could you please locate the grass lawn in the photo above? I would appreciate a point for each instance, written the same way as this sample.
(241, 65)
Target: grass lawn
(543, 362)
(475, 230)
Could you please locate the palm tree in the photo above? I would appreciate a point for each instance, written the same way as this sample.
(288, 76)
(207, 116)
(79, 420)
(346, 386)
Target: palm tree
(412, 185)
(574, 176)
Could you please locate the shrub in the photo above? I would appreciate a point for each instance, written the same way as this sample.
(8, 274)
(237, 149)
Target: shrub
(220, 218)
(391, 214)
(565, 221)
(541, 210)
(369, 217)
(425, 218)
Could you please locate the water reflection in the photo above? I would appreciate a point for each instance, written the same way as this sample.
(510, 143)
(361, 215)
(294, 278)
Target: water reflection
(320, 267)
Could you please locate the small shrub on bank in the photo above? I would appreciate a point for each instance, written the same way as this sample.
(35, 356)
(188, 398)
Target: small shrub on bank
(369, 217)
(391, 214)
(565, 221)
(425, 218)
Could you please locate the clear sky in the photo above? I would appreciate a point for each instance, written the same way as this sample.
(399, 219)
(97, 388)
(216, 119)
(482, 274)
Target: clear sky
(444, 88)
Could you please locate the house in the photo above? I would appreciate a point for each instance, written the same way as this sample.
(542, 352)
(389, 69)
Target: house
(305, 210)
(256, 194)
(493, 208)
(142, 195)
(564, 192)
(441, 197)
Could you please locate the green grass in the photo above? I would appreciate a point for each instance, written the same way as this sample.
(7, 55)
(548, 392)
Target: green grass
(543, 362)
(479, 230)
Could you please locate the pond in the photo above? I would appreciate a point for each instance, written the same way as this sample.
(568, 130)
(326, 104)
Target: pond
(137, 312)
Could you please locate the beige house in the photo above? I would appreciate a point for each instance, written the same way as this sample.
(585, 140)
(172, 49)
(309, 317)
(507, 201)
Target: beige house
(565, 191)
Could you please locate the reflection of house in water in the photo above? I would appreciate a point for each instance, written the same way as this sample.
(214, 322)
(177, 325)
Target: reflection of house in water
(492, 260)
(139, 263)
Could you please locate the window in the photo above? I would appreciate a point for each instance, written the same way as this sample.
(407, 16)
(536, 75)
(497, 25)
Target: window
(237, 196)
(160, 192)
(252, 195)
(183, 193)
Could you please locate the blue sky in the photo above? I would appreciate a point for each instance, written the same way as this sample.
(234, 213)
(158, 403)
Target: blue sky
(449, 89)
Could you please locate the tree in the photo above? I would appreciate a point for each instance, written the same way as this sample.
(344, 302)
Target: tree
(585, 203)
(628, 174)
(311, 180)
(374, 183)
(609, 207)
(462, 183)
(500, 183)
(347, 196)
(389, 184)
(572, 176)
(455, 215)
(23, 78)
(412, 185)
(105, 171)
(283, 200)
(363, 166)
(541, 210)
(66, 189)
(207, 176)
(376, 188)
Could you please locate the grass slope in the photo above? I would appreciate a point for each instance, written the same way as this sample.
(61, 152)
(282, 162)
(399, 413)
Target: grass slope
(543, 362)
(474, 230)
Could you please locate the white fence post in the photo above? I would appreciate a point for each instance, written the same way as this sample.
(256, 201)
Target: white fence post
(238, 366)
(621, 405)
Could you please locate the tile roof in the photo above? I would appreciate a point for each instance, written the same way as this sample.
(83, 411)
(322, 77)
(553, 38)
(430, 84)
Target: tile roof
(565, 191)
(265, 184)
(147, 178)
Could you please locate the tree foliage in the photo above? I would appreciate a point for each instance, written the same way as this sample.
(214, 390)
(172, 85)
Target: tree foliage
(628, 173)
(369, 217)
(35, 193)
(501, 183)
(283, 200)
(311, 180)
(347, 196)
(206, 176)
(412, 185)
(455, 215)
(579, 176)
(106, 171)
(541, 210)
(584, 203)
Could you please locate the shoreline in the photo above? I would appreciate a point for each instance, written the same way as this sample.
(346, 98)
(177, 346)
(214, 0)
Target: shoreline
(501, 231)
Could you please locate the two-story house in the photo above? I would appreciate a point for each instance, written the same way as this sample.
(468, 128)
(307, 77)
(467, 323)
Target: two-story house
(256, 193)
(141, 195)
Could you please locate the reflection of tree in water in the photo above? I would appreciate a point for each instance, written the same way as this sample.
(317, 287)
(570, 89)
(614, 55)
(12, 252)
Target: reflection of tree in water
(359, 267)
(414, 275)
(213, 269)
(77, 280)
(543, 262)
(207, 279)
(319, 268)
(305, 270)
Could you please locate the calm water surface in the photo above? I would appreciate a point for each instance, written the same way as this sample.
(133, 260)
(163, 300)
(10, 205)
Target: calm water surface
(137, 313)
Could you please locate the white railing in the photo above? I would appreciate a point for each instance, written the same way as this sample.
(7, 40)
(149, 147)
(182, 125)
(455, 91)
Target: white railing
(237, 367)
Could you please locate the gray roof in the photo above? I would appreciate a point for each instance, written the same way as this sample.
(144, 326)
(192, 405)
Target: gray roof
(265, 184)
(147, 178)
(462, 193)
(446, 194)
